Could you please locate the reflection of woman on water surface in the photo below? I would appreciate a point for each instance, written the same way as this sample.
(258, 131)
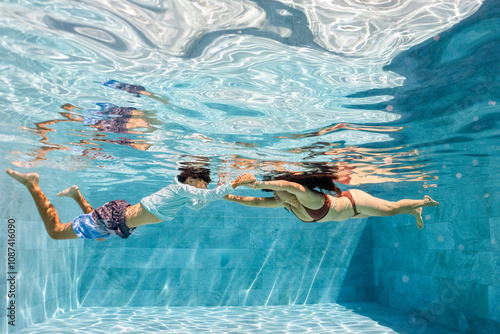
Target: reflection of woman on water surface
(301, 194)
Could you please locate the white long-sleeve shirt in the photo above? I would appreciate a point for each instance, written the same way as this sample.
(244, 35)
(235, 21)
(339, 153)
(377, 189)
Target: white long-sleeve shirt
(165, 203)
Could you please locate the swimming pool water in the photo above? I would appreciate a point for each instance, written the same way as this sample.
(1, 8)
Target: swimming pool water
(397, 98)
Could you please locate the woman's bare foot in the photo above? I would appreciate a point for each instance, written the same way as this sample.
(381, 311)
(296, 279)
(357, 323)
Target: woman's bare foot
(71, 192)
(418, 217)
(29, 180)
(429, 201)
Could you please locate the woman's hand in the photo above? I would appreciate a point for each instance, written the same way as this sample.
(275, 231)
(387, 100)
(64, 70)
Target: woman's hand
(246, 179)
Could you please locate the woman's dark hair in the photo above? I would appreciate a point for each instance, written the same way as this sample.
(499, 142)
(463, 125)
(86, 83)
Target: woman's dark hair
(194, 172)
(318, 181)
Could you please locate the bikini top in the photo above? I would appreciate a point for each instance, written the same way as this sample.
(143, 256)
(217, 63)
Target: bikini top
(316, 214)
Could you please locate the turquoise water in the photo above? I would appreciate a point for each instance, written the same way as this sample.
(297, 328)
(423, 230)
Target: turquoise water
(397, 98)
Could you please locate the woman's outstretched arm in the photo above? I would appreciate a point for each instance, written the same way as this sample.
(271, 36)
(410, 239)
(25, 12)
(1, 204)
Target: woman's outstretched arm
(280, 185)
(305, 195)
(262, 202)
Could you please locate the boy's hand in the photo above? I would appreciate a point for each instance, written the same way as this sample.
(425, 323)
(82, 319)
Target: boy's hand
(223, 178)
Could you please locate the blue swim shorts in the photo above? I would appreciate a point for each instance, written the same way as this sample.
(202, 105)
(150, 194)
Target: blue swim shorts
(104, 222)
(87, 227)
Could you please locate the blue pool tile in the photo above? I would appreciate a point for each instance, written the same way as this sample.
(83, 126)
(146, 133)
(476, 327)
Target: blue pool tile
(474, 324)
(365, 294)
(184, 238)
(495, 233)
(233, 279)
(287, 278)
(169, 258)
(207, 279)
(357, 274)
(398, 301)
(494, 303)
(176, 297)
(226, 238)
(362, 256)
(147, 236)
(255, 297)
(95, 297)
(463, 295)
(440, 236)
(320, 295)
(217, 298)
(456, 264)
(195, 219)
(207, 258)
(266, 238)
(382, 296)
(472, 234)
(419, 286)
(346, 294)
(246, 258)
(378, 260)
(135, 298)
(489, 268)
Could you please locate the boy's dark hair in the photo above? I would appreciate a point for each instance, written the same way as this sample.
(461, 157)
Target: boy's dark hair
(194, 172)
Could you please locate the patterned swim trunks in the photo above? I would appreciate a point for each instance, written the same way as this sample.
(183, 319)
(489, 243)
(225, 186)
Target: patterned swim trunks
(104, 222)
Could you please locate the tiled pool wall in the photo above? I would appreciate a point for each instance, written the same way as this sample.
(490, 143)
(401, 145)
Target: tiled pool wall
(228, 255)
(448, 273)
(46, 281)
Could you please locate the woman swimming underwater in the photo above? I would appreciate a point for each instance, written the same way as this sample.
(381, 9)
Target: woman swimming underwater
(301, 194)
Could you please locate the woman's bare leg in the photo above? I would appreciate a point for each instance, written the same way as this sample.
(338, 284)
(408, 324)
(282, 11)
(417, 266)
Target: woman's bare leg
(74, 193)
(375, 207)
(54, 227)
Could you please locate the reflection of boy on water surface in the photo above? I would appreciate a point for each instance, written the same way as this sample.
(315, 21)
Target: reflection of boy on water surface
(107, 118)
(114, 119)
(111, 118)
(133, 89)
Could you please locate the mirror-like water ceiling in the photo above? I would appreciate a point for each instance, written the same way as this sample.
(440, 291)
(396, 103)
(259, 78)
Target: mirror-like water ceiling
(133, 88)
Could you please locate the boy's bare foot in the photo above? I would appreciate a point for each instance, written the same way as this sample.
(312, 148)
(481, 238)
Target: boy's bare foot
(71, 192)
(429, 201)
(29, 180)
